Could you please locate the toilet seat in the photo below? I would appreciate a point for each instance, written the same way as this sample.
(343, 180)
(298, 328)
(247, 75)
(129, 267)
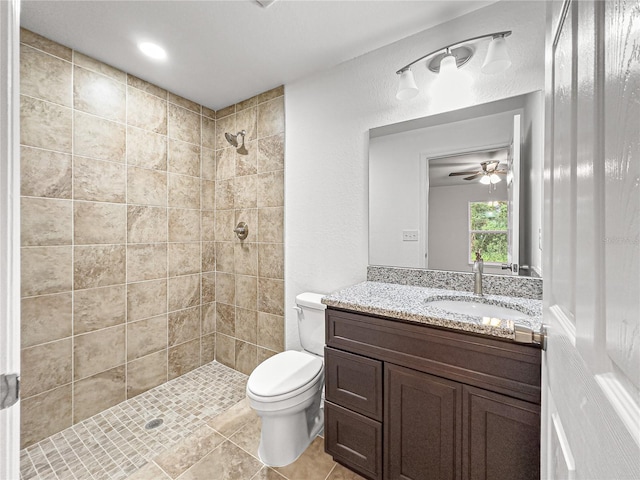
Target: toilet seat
(284, 375)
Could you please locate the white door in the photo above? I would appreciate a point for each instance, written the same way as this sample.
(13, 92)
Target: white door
(513, 198)
(9, 231)
(591, 367)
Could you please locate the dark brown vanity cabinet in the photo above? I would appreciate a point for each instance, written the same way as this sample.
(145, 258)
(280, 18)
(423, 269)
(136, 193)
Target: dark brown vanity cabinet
(408, 401)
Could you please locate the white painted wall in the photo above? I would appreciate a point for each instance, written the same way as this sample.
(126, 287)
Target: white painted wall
(328, 118)
(449, 224)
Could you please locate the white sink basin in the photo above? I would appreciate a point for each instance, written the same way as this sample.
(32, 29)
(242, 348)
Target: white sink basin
(478, 309)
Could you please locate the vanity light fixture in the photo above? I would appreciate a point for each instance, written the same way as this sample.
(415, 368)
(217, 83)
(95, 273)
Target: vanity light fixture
(448, 60)
(152, 50)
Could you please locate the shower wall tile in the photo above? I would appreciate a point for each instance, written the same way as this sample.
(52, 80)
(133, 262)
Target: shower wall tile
(97, 308)
(45, 173)
(131, 271)
(271, 94)
(45, 318)
(45, 76)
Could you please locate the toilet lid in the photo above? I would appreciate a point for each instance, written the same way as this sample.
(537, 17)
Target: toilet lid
(283, 373)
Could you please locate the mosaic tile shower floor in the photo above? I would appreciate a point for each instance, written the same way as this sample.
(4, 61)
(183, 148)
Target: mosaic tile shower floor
(208, 433)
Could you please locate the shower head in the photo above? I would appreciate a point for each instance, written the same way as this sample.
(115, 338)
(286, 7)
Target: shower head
(233, 139)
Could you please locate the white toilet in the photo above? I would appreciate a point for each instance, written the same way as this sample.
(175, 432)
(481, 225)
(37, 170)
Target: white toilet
(286, 390)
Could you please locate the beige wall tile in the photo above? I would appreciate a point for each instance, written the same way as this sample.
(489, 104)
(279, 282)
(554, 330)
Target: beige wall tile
(271, 260)
(45, 318)
(271, 153)
(98, 351)
(264, 353)
(207, 112)
(245, 195)
(209, 132)
(45, 125)
(224, 194)
(99, 67)
(208, 257)
(271, 225)
(184, 225)
(208, 226)
(246, 292)
(184, 292)
(270, 332)
(44, 76)
(41, 43)
(98, 94)
(226, 350)
(183, 102)
(208, 164)
(98, 308)
(146, 111)
(208, 287)
(225, 257)
(271, 296)
(98, 138)
(45, 414)
(225, 288)
(183, 124)
(271, 117)
(146, 373)
(99, 392)
(207, 348)
(208, 318)
(246, 258)
(184, 326)
(183, 258)
(246, 357)
(44, 173)
(146, 262)
(45, 270)
(248, 103)
(98, 181)
(146, 149)
(45, 221)
(99, 266)
(96, 223)
(146, 299)
(184, 158)
(270, 188)
(247, 120)
(184, 192)
(146, 336)
(223, 112)
(45, 367)
(225, 319)
(225, 125)
(146, 86)
(208, 191)
(246, 325)
(271, 94)
(146, 224)
(146, 187)
(184, 358)
(248, 164)
(225, 163)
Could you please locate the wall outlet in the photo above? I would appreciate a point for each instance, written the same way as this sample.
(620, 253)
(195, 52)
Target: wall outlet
(410, 235)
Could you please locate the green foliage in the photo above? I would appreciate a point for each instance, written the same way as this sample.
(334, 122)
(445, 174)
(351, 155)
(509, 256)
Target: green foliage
(489, 216)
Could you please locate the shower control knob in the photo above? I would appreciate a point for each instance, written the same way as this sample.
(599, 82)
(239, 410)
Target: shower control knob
(241, 230)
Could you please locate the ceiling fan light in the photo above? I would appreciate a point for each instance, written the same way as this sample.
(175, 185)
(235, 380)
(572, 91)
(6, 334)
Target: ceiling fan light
(485, 180)
(497, 59)
(494, 178)
(407, 87)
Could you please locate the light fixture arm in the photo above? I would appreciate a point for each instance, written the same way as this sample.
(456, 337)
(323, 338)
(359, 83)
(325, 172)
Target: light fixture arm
(449, 47)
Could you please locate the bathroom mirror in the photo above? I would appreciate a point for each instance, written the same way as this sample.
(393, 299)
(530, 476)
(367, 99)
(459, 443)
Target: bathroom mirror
(420, 216)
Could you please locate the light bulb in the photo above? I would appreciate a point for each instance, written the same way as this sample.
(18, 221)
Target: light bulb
(152, 50)
(407, 87)
(497, 59)
(485, 180)
(494, 178)
(452, 87)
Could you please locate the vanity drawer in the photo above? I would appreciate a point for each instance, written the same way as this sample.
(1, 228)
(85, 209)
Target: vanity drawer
(354, 382)
(354, 440)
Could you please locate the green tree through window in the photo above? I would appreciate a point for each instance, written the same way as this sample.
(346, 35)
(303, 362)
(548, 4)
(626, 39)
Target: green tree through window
(488, 231)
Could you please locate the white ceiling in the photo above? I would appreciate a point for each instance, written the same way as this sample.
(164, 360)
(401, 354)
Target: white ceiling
(221, 52)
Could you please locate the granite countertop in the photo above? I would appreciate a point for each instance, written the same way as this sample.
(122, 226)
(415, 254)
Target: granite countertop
(411, 303)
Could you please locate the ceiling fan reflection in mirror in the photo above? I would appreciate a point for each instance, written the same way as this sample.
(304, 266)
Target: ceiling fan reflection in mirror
(489, 173)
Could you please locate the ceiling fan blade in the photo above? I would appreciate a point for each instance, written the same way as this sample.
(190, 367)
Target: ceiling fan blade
(455, 174)
(473, 176)
(500, 172)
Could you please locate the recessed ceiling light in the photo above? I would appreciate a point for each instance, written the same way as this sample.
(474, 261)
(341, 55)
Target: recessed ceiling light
(152, 50)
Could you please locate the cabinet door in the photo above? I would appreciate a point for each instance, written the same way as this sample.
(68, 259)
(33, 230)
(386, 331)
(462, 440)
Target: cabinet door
(501, 437)
(422, 425)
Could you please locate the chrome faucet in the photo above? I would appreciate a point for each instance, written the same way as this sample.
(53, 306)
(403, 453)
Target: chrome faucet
(478, 266)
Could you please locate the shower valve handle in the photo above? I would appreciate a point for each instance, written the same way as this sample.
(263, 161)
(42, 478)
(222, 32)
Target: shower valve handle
(242, 230)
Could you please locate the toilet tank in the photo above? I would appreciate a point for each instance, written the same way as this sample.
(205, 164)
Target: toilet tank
(311, 322)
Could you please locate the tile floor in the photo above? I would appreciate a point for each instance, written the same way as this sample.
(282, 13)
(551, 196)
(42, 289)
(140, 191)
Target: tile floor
(208, 433)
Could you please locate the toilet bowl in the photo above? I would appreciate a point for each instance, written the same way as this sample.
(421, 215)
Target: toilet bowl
(286, 390)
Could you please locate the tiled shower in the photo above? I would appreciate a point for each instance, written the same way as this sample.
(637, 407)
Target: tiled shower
(131, 272)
